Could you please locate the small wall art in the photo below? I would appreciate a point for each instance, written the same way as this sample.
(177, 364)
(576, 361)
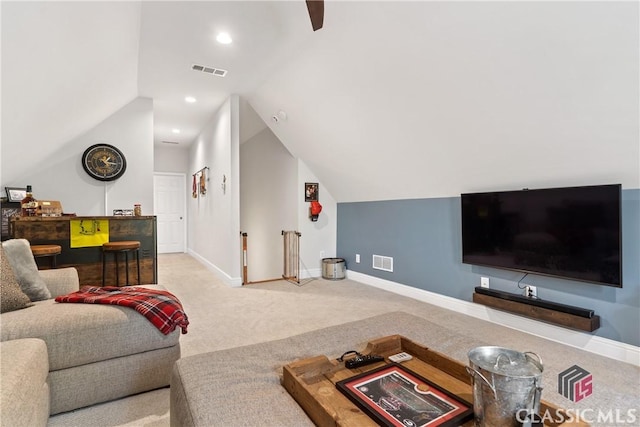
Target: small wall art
(310, 191)
(15, 194)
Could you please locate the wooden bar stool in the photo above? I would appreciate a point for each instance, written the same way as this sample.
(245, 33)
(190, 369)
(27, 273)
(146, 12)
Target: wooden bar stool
(51, 251)
(115, 248)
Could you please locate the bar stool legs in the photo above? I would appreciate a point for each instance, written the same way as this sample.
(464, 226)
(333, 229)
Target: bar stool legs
(50, 251)
(120, 247)
(126, 262)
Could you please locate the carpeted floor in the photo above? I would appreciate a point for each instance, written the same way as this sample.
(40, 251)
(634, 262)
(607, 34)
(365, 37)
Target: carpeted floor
(222, 317)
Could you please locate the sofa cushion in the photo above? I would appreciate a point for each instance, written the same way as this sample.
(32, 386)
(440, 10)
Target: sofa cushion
(61, 281)
(24, 396)
(11, 296)
(25, 268)
(93, 383)
(77, 334)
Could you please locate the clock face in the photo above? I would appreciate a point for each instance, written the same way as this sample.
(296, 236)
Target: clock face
(104, 162)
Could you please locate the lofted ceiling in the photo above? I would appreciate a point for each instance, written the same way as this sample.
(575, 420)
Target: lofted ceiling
(84, 60)
(390, 99)
(176, 35)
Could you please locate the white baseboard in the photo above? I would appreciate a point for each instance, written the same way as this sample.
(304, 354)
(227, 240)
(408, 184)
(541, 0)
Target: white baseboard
(603, 346)
(234, 282)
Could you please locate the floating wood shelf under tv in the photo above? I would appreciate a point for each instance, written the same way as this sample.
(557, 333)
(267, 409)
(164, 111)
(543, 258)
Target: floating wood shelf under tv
(557, 314)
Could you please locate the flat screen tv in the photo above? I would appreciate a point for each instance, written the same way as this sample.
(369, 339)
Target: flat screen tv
(572, 233)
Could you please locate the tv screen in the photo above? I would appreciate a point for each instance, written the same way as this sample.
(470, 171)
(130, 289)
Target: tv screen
(573, 233)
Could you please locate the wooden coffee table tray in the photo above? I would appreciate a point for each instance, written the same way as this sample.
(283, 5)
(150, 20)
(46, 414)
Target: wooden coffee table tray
(311, 382)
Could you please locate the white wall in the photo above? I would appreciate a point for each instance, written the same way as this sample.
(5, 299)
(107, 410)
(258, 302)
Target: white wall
(171, 159)
(318, 237)
(268, 202)
(214, 219)
(60, 175)
(65, 67)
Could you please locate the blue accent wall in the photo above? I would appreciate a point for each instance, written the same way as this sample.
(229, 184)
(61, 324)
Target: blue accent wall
(424, 238)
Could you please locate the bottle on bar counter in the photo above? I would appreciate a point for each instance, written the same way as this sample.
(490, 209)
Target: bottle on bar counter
(29, 204)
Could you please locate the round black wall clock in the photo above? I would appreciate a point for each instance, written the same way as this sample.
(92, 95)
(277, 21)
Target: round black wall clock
(104, 162)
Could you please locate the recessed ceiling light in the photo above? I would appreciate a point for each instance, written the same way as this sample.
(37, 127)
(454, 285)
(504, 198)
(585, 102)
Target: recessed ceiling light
(175, 130)
(224, 38)
(190, 99)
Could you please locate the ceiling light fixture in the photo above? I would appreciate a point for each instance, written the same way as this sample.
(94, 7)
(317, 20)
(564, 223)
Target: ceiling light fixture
(224, 38)
(190, 99)
(175, 130)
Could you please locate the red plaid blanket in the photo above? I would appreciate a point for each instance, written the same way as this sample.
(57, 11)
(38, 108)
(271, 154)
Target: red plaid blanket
(161, 308)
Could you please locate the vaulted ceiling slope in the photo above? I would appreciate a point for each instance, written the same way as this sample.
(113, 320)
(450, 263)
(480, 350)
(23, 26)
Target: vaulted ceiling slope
(175, 35)
(389, 100)
(66, 66)
(394, 100)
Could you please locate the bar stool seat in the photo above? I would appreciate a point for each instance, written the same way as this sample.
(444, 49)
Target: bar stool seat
(115, 248)
(51, 251)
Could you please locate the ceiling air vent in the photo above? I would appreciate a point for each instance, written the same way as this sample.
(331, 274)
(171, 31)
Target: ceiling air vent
(209, 70)
(383, 263)
(170, 142)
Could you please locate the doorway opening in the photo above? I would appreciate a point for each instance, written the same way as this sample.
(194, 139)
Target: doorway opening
(169, 207)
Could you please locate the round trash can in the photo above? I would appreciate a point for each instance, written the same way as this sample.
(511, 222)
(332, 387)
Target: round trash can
(333, 268)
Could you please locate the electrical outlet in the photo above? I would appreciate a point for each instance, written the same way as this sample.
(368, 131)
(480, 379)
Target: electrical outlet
(484, 282)
(357, 258)
(530, 291)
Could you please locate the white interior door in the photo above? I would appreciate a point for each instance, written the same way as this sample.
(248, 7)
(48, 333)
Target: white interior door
(169, 207)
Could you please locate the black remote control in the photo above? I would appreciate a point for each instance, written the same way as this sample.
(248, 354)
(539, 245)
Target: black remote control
(362, 360)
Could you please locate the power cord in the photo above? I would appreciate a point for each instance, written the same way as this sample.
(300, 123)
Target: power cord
(521, 287)
(526, 288)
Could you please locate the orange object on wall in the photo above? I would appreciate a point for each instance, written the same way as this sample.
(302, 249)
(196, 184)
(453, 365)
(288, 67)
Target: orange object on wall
(314, 210)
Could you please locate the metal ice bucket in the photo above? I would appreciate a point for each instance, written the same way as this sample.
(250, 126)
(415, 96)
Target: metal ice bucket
(504, 383)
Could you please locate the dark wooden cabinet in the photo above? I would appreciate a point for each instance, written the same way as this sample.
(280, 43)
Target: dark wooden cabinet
(88, 260)
(8, 209)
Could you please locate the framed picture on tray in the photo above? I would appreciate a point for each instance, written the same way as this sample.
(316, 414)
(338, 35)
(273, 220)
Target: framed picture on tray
(394, 396)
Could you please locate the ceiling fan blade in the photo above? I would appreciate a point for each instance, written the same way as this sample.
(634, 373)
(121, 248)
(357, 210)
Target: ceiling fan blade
(316, 13)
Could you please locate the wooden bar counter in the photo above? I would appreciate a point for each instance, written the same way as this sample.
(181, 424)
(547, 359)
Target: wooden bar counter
(88, 260)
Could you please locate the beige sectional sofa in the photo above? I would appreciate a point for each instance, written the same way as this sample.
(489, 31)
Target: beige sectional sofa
(24, 396)
(94, 353)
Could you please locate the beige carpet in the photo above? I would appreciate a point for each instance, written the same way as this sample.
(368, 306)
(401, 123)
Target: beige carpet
(222, 317)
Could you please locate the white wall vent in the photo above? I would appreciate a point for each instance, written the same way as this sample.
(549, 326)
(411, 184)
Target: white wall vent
(383, 263)
(209, 70)
(170, 142)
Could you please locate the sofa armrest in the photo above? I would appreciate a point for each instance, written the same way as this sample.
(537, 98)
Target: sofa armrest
(61, 281)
